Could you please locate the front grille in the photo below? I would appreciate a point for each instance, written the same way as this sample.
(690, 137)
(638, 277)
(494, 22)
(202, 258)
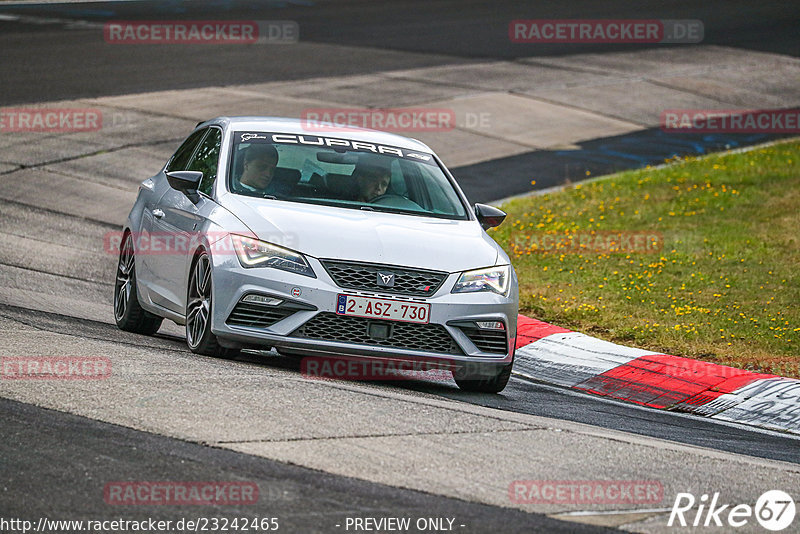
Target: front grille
(364, 276)
(257, 315)
(487, 340)
(412, 336)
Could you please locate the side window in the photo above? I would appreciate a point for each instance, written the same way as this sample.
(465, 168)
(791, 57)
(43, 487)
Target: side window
(206, 160)
(181, 157)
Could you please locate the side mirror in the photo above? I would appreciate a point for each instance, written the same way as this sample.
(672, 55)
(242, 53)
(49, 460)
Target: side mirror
(186, 182)
(489, 216)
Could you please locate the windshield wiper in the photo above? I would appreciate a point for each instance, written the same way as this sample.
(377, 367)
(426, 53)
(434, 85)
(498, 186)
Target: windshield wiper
(400, 211)
(269, 197)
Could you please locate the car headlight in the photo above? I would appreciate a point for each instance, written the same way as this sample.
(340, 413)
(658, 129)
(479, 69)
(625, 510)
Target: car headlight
(254, 253)
(494, 279)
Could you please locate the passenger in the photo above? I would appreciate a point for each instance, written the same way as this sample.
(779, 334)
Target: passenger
(372, 182)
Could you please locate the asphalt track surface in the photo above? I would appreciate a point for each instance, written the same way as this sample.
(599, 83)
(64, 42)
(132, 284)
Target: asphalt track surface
(45, 452)
(51, 62)
(56, 463)
(521, 396)
(47, 457)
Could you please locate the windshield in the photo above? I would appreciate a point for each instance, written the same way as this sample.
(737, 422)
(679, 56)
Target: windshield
(343, 173)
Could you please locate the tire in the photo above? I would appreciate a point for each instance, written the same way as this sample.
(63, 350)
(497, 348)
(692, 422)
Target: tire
(485, 382)
(198, 312)
(128, 313)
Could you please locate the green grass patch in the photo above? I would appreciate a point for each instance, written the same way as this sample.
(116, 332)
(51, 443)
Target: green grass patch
(715, 274)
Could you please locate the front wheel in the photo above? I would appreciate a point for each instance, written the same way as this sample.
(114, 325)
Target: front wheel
(128, 313)
(198, 312)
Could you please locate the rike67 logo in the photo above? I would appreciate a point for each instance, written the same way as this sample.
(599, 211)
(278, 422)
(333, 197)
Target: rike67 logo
(774, 510)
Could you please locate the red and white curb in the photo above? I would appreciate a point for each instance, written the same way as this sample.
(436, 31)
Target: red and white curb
(558, 356)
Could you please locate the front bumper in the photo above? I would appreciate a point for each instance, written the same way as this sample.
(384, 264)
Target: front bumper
(317, 297)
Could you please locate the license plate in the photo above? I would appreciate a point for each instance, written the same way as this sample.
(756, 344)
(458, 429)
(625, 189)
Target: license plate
(391, 310)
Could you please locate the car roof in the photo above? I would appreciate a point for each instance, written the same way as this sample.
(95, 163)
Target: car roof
(319, 128)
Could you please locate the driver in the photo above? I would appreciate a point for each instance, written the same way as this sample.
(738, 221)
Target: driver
(259, 168)
(372, 182)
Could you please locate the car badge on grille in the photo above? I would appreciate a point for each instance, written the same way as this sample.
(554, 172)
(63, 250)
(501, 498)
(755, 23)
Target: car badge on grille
(385, 279)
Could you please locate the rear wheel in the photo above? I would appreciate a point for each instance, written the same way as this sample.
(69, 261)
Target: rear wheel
(198, 312)
(128, 313)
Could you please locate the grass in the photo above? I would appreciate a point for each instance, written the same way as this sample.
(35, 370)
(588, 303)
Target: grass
(723, 283)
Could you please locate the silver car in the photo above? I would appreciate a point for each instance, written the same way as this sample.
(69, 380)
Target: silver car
(319, 241)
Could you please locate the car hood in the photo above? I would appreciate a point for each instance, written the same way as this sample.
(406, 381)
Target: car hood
(374, 237)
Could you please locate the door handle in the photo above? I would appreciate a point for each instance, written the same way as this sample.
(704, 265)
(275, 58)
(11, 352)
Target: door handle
(157, 213)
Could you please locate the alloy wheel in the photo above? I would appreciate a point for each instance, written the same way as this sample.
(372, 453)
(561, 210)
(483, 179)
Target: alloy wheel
(124, 283)
(198, 309)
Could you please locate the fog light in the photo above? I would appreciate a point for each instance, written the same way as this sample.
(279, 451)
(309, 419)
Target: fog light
(490, 325)
(261, 299)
